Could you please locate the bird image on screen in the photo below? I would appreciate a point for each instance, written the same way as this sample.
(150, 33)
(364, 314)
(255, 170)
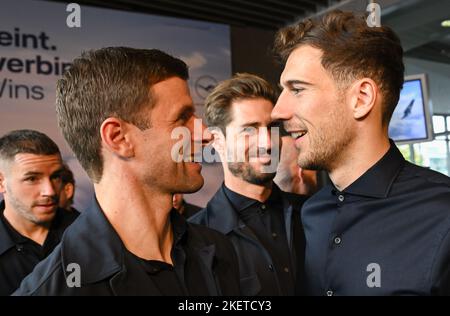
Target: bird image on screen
(408, 109)
(411, 120)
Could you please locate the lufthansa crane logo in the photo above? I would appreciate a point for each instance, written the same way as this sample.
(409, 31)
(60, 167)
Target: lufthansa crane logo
(204, 85)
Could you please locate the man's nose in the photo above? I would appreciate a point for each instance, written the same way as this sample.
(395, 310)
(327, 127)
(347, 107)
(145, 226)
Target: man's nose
(283, 109)
(205, 136)
(48, 188)
(265, 138)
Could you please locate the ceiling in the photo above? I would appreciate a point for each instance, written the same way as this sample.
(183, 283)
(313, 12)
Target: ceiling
(265, 14)
(419, 28)
(417, 22)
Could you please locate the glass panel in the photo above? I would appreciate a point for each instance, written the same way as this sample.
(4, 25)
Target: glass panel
(406, 152)
(438, 124)
(433, 155)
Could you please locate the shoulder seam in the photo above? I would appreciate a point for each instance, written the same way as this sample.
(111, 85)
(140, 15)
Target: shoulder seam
(58, 263)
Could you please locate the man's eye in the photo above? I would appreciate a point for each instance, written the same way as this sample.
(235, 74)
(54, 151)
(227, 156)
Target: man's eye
(296, 91)
(30, 179)
(249, 130)
(56, 177)
(184, 117)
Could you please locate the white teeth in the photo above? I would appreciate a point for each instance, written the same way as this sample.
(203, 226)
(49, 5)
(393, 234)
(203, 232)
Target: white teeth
(192, 159)
(296, 135)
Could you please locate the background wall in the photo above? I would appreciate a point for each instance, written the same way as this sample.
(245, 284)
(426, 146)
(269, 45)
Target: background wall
(35, 41)
(251, 51)
(438, 81)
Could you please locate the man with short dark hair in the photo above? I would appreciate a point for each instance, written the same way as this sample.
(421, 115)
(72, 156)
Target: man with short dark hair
(68, 189)
(117, 108)
(261, 221)
(31, 224)
(383, 226)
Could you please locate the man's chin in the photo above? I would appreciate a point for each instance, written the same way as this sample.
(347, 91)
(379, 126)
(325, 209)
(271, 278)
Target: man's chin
(43, 220)
(310, 164)
(249, 174)
(194, 184)
(260, 179)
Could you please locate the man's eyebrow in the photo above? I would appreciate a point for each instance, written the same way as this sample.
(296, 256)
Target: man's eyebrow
(290, 83)
(187, 109)
(36, 173)
(250, 124)
(32, 173)
(257, 124)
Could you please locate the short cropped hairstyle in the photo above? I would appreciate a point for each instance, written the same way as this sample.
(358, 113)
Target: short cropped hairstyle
(67, 177)
(240, 87)
(109, 82)
(351, 50)
(26, 141)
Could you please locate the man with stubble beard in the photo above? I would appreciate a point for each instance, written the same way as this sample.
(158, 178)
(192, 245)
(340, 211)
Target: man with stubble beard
(383, 226)
(31, 224)
(261, 221)
(117, 108)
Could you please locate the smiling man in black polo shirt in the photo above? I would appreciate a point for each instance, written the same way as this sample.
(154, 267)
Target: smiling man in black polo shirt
(382, 227)
(31, 224)
(262, 222)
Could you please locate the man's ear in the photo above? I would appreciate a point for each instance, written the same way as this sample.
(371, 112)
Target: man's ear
(69, 190)
(2, 182)
(363, 95)
(116, 137)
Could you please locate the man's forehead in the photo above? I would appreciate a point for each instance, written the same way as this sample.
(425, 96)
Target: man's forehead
(305, 54)
(302, 62)
(251, 110)
(172, 95)
(169, 87)
(32, 160)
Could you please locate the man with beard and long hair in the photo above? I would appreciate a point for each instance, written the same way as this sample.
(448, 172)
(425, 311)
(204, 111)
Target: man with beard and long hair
(261, 221)
(31, 224)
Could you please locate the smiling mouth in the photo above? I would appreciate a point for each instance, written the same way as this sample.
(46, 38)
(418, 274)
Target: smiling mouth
(194, 159)
(46, 205)
(298, 135)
